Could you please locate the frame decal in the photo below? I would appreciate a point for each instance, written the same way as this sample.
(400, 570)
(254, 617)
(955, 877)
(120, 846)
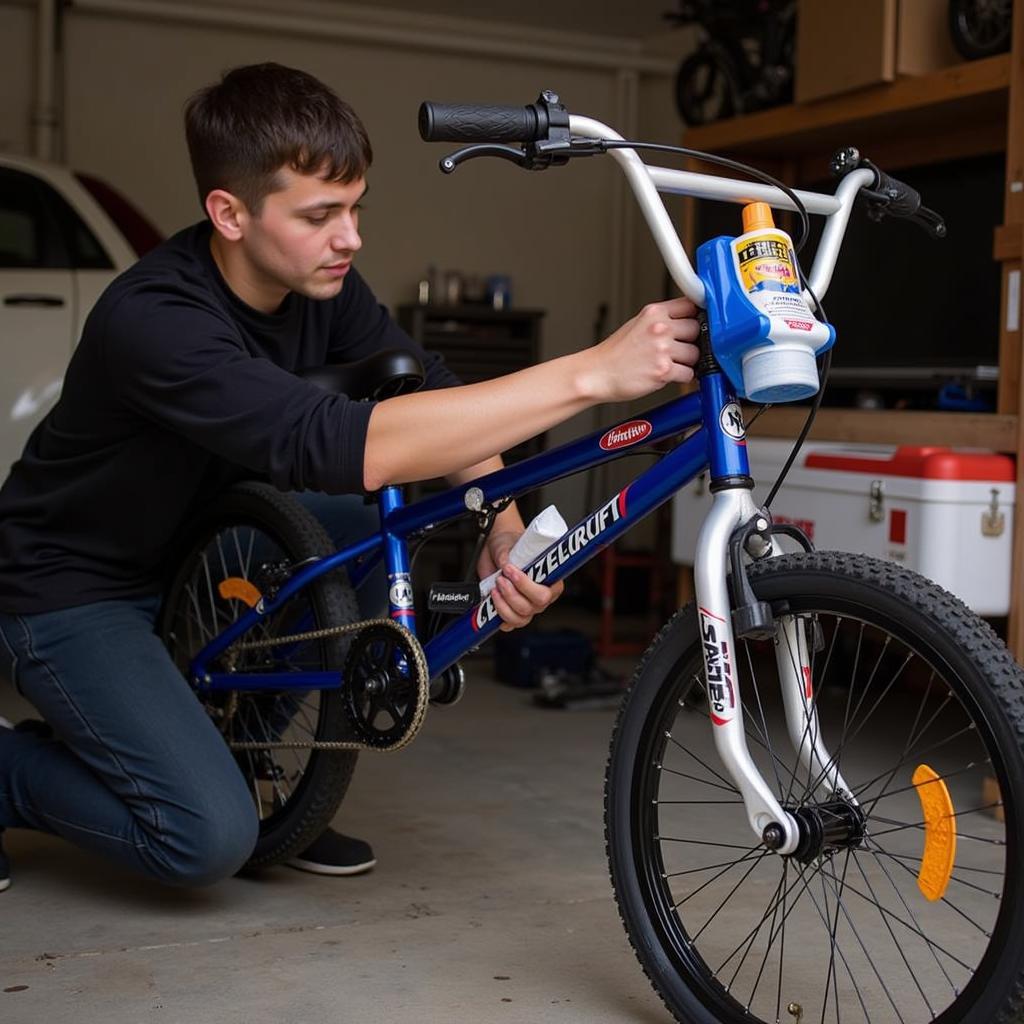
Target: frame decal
(571, 544)
(626, 434)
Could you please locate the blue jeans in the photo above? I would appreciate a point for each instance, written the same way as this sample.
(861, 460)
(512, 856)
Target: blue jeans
(136, 771)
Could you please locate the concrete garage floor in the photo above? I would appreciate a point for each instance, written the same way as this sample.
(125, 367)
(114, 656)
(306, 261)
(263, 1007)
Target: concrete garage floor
(490, 900)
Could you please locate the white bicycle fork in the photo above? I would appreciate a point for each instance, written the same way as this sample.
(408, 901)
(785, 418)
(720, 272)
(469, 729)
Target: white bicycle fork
(730, 509)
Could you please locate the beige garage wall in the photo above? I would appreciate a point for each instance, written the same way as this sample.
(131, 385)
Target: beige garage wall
(127, 78)
(16, 46)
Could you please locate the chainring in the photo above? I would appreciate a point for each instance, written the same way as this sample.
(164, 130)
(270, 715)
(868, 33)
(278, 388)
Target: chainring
(384, 700)
(409, 689)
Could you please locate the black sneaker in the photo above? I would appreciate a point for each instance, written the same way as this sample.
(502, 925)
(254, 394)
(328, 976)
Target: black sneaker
(35, 727)
(335, 854)
(5, 866)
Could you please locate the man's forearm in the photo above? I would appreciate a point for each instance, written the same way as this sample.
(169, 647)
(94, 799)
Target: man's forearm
(436, 433)
(431, 433)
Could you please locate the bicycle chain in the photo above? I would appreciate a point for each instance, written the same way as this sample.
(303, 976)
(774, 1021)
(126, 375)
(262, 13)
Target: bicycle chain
(418, 663)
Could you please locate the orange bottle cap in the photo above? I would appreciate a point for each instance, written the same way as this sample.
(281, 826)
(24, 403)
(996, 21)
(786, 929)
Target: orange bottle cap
(757, 216)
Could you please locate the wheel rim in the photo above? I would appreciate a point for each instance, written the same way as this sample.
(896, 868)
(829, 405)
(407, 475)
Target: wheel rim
(276, 777)
(704, 95)
(850, 930)
(985, 24)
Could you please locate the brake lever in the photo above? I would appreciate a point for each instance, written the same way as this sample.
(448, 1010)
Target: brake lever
(460, 156)
(931, 221)
(926, 219)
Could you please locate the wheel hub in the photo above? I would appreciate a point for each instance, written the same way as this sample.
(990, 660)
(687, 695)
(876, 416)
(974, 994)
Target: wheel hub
(826, 828)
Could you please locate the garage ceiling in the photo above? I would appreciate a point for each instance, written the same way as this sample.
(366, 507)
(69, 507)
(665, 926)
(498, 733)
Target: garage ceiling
(634, 19)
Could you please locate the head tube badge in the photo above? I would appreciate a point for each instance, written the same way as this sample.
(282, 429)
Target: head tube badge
(731, 421)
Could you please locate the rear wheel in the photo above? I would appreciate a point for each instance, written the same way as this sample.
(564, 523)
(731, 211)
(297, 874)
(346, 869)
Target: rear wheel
(247, 542)
(980, 28)
(705, 88)
(903, 675)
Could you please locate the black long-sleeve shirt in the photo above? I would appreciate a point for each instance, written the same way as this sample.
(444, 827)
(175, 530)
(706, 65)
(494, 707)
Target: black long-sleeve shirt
(176, 388)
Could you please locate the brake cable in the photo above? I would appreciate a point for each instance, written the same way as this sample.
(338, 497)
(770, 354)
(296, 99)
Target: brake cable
(549, 152)
(602, 145)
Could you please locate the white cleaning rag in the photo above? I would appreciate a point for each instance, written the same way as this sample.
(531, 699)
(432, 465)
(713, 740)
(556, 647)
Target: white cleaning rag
(544, 529)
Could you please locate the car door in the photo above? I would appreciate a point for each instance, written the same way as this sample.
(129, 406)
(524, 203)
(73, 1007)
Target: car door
(36, 310)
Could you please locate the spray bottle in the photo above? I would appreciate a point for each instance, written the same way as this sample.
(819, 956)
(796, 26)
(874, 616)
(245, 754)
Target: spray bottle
(763, 333)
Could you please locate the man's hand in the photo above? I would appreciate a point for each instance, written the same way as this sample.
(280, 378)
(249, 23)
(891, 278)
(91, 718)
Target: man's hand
(651, 350)
(517, 599)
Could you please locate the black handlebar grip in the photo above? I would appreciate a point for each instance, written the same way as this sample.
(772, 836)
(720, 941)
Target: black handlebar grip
(903, 200)
(470, 122)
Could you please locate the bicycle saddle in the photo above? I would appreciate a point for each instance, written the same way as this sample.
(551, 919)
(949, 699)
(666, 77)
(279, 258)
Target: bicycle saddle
(384, 374)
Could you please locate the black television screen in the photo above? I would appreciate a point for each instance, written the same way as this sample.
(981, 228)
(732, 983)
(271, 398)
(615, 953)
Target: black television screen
(899, 299)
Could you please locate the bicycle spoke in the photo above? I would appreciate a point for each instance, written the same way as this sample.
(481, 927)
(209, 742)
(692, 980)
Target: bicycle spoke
(970, 766)
(764, 916)
(945, 899)
(918, 756)
(955, 814)
(721, 778)
(959, 867)
(913, 737)
(753, 938)
(809, 713)
(706, 867)
(782, 944)
(764, 721)
(920, 825)
(885, 910)
(760, 855)
(774, 900)
(255, 785)
(832, 939)
(896, 942)
(867, 955)
(846, 740)
(716, 802)
(704, 842)
(867, 686)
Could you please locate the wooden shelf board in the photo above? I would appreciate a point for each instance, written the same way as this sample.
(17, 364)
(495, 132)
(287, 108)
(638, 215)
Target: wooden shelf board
(962, 96)
(960, 430)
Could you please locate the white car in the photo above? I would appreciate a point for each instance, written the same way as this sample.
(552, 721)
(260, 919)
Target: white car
(63, 237)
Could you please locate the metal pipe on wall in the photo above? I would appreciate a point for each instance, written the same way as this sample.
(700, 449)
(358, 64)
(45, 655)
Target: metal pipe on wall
(44, 114)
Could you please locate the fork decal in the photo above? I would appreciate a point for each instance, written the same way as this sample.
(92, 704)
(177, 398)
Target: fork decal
(717, 668)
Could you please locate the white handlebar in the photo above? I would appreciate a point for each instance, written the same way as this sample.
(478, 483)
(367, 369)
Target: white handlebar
(647, 181)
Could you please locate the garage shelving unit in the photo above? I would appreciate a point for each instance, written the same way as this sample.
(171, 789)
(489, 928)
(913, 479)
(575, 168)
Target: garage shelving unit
(969, 109)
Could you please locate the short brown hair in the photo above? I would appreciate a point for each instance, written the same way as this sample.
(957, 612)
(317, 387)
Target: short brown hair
(257, 119)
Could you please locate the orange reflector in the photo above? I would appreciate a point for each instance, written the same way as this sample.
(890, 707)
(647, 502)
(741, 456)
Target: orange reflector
(243, 590)
(939, 833)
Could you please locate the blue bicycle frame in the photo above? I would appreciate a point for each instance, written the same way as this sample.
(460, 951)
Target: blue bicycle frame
(719, 442)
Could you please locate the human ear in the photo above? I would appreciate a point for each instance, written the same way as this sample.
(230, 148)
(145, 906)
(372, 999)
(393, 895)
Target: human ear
(227, 213)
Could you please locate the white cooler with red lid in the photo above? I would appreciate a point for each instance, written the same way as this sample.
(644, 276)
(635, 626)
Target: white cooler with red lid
(946, 513)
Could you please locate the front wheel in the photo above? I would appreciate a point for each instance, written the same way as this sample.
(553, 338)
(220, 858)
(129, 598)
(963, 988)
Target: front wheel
(903, 676)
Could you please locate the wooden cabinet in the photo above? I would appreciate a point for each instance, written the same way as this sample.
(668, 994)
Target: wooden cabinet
(479, 343)
(966, 110)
